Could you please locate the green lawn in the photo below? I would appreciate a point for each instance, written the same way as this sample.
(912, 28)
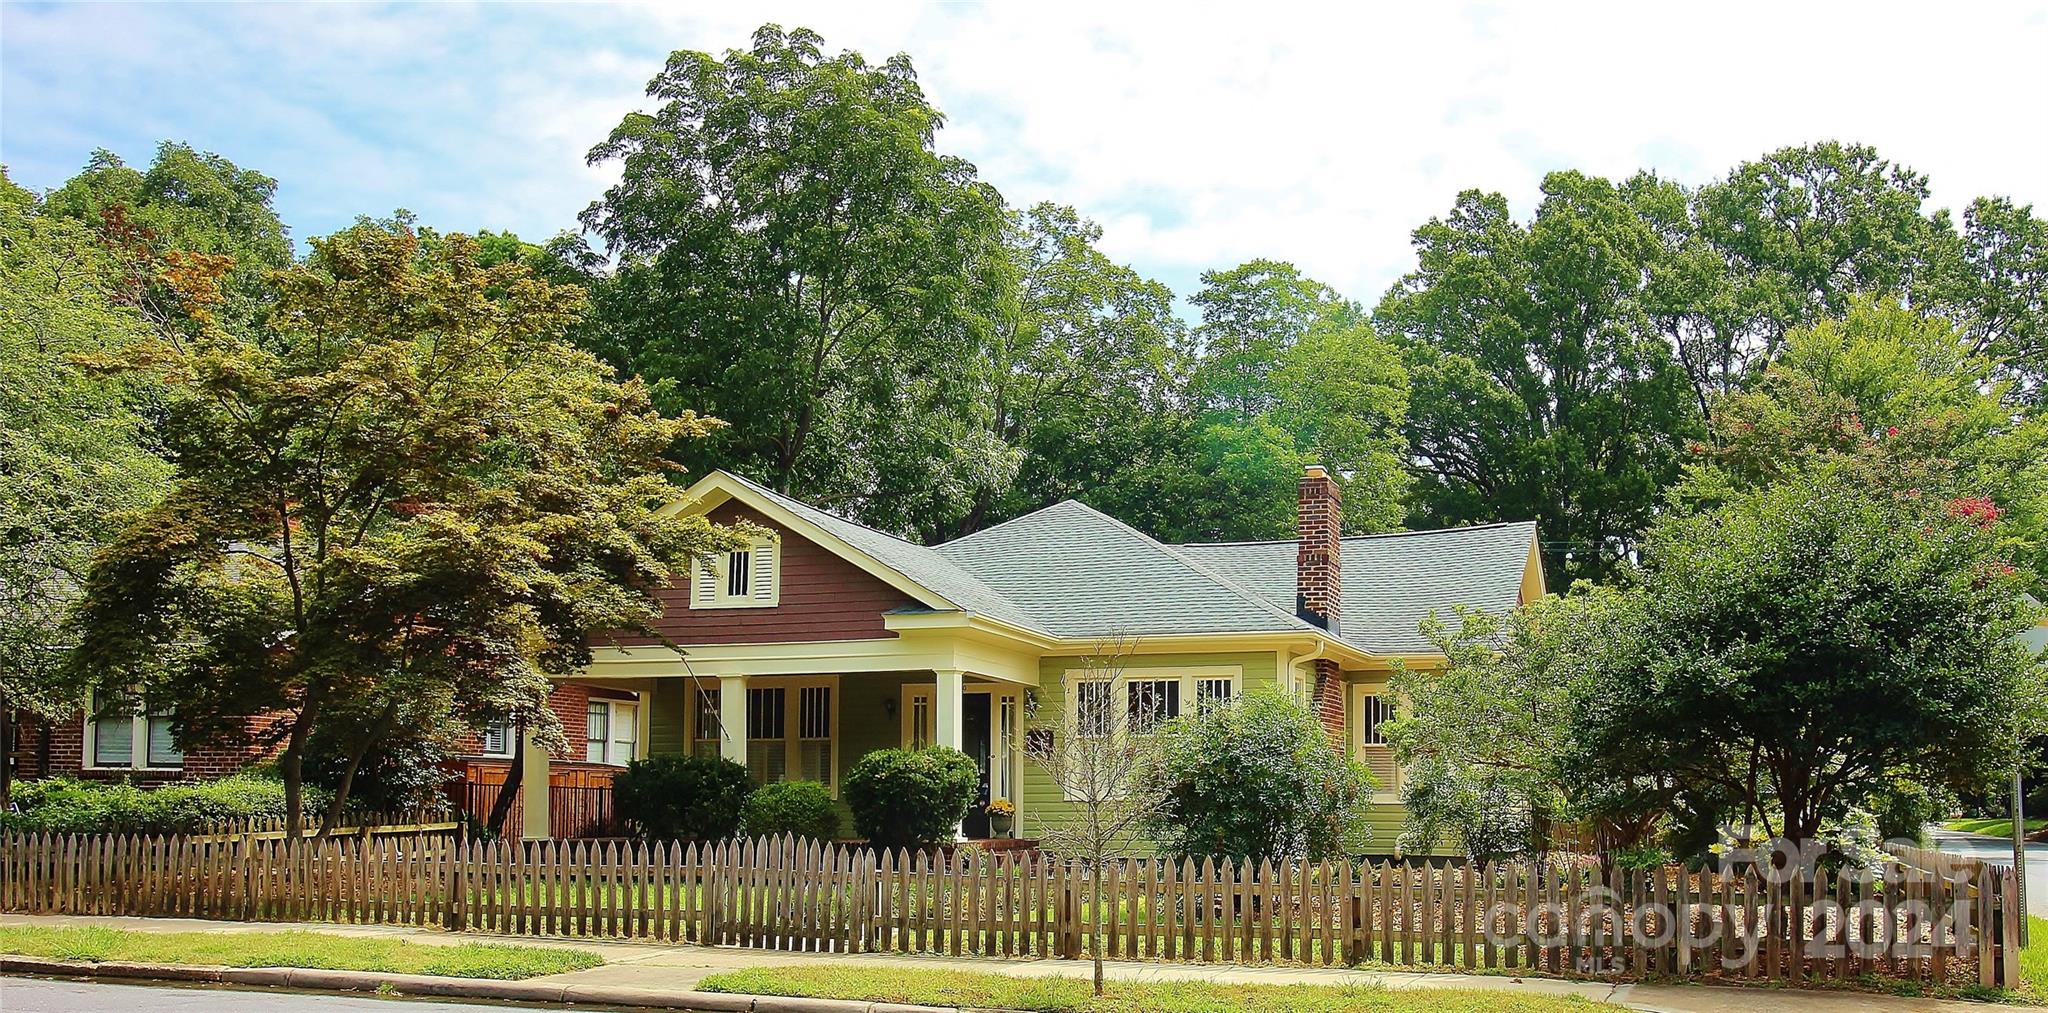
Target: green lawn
(293, 949)
(2034, 959)
(1994, 827)
(1072, 995)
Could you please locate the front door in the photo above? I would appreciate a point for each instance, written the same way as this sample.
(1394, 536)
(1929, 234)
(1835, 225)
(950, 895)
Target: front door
(974, 738)
(988, 732)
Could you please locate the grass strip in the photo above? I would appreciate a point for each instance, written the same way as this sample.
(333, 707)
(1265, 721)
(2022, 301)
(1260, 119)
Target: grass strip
(2034, 959)
(293, 948)
(938, 987)
(1992, 827)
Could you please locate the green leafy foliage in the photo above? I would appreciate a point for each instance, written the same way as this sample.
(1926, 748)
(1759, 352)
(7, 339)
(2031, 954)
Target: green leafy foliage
(801, 808)
(410, 497)
(910, 798)
(839, 325)
(1807, 645)
(1541, 386)
(1257, 778)
(693, 798)
(66, 805)
(74, 453)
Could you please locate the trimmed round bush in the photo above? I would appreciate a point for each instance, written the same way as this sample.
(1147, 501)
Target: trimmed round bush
(802, 808)
(694, 798)
(911, 798)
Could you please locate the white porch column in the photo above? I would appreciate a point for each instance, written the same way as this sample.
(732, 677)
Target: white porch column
(732, 716)
(533, 792)
(947, 702)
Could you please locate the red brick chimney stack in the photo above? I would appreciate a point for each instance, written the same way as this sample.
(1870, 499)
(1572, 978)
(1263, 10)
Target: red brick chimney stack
(1319, 585)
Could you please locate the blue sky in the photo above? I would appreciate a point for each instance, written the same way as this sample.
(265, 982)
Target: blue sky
(1200, 136)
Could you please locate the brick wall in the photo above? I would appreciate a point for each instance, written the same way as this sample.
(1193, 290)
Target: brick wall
(569, 701)
(43, 749)
(1327, 699)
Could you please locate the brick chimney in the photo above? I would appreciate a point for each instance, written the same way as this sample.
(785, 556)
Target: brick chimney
(1319, 584)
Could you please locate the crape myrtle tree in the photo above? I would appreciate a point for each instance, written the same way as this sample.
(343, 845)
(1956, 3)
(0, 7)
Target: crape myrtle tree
(796, 258)
(1100, 752)
(1796, 651)
(407, 493)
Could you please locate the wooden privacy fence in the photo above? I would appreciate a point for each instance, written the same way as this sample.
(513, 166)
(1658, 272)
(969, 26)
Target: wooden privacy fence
(1565, 919)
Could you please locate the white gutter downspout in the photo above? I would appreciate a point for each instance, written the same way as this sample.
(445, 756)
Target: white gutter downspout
(1294, 664)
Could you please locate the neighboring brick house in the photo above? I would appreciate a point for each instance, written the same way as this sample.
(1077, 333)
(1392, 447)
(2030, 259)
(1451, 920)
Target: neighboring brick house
(603, 728)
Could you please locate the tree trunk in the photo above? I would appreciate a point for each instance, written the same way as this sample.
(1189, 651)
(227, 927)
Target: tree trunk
(291, 766)
(1095, 921)
(348, 774)
(514, 780)
(6, 754)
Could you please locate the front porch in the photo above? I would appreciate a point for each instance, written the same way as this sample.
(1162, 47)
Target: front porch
(815, 727)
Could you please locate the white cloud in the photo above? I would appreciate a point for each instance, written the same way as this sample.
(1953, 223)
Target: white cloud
(1200, 136)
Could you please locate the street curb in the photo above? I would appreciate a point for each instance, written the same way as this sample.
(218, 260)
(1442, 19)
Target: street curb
(458, 988)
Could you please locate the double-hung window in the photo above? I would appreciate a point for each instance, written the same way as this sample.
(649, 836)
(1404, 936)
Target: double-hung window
(1146, 699)
(706, 723)
(1372, 710)
(792, 731)
(611, 732)
(122, 734)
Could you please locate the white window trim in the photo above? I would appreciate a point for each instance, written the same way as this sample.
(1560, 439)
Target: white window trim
(483, 740)
(792, 722)
(718, 566)
(611, 735)
(1387, 794)
(1186, 676)
(138, 739)
(917, 713)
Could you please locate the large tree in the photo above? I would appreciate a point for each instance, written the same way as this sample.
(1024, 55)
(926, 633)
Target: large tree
(797, 258)
(73, 453)
(408, 497)
(187, 200)
(1289, 374)
(1802, 648)
(1541, 386)
(1086, 375)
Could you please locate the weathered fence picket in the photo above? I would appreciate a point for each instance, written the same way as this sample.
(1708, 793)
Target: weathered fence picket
(1929, 916)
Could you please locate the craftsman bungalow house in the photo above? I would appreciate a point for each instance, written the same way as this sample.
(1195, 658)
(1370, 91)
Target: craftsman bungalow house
(826, 640)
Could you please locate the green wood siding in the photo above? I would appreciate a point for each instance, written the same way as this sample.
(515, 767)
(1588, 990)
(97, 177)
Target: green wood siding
(1042, 803)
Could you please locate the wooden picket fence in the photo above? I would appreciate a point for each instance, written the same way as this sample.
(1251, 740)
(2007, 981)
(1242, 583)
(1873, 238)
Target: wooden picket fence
(1562, 919)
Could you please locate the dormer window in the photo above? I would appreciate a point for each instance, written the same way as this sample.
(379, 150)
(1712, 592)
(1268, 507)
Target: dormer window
(744, 578)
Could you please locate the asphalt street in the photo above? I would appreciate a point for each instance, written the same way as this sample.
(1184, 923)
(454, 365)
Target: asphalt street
(1992, 849)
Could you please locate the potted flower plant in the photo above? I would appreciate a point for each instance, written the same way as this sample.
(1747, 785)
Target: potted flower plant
(1002, 813)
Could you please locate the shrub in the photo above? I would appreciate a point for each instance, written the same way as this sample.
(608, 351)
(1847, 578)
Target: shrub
(904, 798)
(681, 797)
(1257, 779)
(71, 806)
(802, 808)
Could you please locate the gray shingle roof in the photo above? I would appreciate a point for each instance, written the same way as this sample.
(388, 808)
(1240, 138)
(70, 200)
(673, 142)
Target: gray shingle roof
(1072, 572)
(1085, 574)
(1392, 581)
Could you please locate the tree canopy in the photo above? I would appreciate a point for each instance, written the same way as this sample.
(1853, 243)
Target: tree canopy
(408, 501)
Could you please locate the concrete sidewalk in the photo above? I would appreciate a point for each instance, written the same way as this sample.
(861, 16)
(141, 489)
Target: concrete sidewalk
(644, 965)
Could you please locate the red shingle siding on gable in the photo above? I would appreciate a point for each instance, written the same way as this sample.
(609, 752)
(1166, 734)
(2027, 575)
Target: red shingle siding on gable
(824, 597)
